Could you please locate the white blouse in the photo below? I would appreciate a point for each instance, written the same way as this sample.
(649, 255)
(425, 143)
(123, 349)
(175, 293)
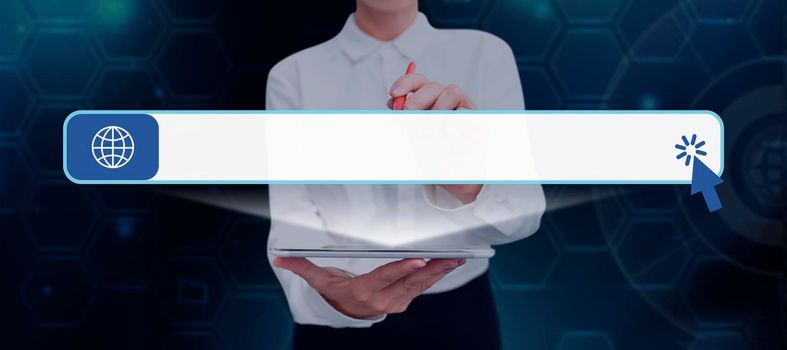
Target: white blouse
(355, 71)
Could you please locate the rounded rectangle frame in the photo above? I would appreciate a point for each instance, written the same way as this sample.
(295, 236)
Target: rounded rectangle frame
(198, 116)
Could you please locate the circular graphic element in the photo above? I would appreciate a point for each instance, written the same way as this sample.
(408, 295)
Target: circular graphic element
(740, 245)
(113, 147)
(760, 167)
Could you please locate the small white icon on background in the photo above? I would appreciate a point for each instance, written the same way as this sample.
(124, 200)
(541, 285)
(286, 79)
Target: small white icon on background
(113, 147)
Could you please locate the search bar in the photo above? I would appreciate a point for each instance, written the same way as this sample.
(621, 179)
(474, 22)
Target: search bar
(329, 147)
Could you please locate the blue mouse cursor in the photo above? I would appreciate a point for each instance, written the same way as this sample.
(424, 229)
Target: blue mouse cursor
(705, 180)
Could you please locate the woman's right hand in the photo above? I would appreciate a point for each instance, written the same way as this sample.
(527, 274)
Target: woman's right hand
(387, 289)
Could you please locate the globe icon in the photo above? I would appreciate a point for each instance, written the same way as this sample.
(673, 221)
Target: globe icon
(113, 147)
(764, 175)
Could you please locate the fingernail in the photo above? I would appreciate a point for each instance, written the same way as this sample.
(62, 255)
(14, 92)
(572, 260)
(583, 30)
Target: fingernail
(419, 265)
(396, 90)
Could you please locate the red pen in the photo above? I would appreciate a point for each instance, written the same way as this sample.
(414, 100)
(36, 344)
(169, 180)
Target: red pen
(399, 101)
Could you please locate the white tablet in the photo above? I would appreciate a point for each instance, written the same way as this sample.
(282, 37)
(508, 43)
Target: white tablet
(379, 252)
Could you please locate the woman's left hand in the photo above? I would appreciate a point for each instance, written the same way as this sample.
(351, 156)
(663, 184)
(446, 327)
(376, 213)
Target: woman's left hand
(423, 94)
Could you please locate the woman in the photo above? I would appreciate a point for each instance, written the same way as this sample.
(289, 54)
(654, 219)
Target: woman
(368, 303)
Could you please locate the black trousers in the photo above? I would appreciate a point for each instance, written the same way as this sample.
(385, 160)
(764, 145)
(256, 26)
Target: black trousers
(464, 318)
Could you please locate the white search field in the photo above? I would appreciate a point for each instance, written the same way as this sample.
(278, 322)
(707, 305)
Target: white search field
(599, 147)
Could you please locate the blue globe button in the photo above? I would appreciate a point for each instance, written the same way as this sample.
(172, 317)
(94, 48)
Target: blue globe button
(106, 147)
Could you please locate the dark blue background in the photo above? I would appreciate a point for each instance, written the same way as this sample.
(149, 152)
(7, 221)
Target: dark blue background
(80, 161)
(643, 267)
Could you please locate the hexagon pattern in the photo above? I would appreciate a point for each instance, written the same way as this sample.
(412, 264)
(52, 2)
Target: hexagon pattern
(638, 16)
(526, 263)
(586, 62)
(70, 74)
(708, 40)
(660, 92)
(579, 11)
(127, 29)
(193, 63)
(611, 212)
(61, 11)
(509, 18)
(539, 91)
(138, 91)
(136, 267)
(185, 10)
(762, 22)
(578, 203)
(661, 42)
(653, 253)
(45, 130)
(15, 29)
(721, 11)
(12, 88)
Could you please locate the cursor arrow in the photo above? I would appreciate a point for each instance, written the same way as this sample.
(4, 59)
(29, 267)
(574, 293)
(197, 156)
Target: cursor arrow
(704, 180)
